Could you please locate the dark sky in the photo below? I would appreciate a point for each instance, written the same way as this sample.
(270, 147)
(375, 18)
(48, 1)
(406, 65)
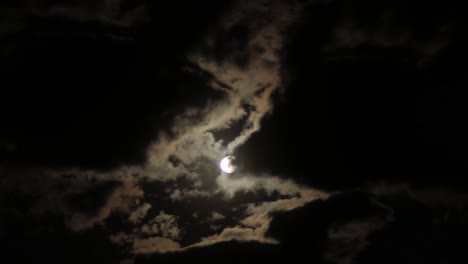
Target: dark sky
(347, 120)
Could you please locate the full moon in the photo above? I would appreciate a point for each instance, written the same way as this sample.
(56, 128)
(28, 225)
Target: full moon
(226, 164)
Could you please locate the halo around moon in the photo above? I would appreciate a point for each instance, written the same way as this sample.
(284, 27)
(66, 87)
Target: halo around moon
(226, 164)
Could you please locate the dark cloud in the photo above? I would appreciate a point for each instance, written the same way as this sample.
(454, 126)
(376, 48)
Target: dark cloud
(121, 12)
(377, 104)
(392, 25)
(362, 228)
(92, 199)
(106, 89)
(46, 238)
(382, 104)
(419, 233)
(316, 219)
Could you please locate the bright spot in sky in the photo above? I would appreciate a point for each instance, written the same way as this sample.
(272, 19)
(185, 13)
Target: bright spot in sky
(226, 164)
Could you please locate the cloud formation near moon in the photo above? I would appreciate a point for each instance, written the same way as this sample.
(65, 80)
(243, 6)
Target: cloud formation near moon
(239, 61)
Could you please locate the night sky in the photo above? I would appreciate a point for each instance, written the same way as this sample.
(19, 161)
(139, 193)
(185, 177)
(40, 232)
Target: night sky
(346, 120)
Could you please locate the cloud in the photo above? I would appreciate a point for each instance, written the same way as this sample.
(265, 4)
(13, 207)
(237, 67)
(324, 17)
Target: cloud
(157, 235)
(184, 194)
(255, 225)
(252, 228)
(137, 215)
(335, 230)
(120, 200)
(247, 88)
(217, 216)
(182, 159)
(437, 197)
(271, 184)
(154, 245)
(347, 240)
(390, 28)
(238, 233)
(246, 92)
(83, 202)
(283, 195)
(106, 11)
(164, 225)
(253, 82)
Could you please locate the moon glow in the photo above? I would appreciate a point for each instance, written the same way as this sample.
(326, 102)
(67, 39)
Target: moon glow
(226, 164)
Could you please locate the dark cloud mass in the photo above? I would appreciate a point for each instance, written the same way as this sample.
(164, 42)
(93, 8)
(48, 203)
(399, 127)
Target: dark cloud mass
(346, 119)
